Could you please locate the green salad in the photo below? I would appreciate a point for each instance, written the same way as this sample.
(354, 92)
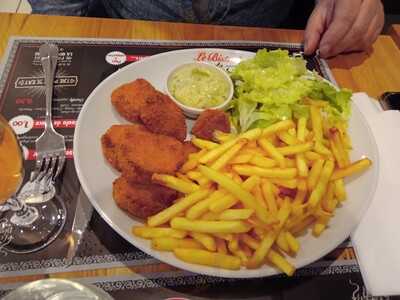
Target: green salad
(272, 86)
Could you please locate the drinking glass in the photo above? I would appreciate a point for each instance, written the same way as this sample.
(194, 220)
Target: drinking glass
(24, 227)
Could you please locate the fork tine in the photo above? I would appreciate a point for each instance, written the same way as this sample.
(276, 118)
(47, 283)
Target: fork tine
(38, 166)
(47, 162)
(61, 161)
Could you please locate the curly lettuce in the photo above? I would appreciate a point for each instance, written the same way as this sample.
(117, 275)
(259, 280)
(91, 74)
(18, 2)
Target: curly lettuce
(271, 87)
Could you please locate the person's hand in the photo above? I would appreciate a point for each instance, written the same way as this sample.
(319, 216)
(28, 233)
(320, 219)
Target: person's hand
(338, 26)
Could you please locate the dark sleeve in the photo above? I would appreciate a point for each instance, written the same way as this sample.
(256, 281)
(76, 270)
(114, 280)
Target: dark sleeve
(60, 7)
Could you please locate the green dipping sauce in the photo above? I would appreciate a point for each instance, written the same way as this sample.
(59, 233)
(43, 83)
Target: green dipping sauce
(198, 86)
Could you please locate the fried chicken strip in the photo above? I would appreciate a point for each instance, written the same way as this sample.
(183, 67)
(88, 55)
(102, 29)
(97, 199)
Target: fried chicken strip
(142, 200)
(139, 101)
(127, 147)
(209, 121)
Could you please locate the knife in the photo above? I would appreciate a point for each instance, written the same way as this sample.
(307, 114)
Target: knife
(83, 214)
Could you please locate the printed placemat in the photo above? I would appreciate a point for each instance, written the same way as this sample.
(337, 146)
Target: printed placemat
(83, 64)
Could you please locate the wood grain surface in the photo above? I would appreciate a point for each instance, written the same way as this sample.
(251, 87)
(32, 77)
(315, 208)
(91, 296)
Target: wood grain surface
(394, 32)
(374, 71)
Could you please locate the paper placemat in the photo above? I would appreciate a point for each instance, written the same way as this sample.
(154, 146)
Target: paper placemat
(82, 66)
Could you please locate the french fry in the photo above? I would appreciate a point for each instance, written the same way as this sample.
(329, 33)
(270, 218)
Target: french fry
(257, 192)
(209, 216)
(301, 165)
(193, 161)
(205, 239)
(209, 226)
(311, 155)
(241, 159)
(329, 196)
(221, 246)
(229, 200)
(282, 242)
(203, 144)
(295, 149)
(301, 129)
(316, 121)
(279, 126)
(172, 211)
(223, 160)
(314, 174)
(152, 232)
(321, 149)
(170, 243)
(339, 190)
(236, 214)
(224, 236)
(287, 183)
(249, 170)
(175, 183)
(272, 151)
(353, 168)
(270, 237)
(337, 141)
(183, 177)
(246, 250)
(269, 196)
(233, 244)
(288, 138)
(202, 206)
(223, 203)
(337, 154)
(293, 243)
(316, 103)
(320, 188)
(302, 224)
(262, 162)
(318, 228)
(251, 134)
(204, 257)
(217, 152)
(280, 262)
(249, 241)
(222, 137)
(238, 191)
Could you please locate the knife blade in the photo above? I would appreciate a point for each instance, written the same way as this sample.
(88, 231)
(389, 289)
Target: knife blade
(83, 214)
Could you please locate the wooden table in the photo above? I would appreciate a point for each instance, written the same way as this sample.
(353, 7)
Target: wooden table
(394, 32)
(374, 72)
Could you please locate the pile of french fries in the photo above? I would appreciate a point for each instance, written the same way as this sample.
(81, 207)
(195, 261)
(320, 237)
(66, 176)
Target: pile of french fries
(247, 197)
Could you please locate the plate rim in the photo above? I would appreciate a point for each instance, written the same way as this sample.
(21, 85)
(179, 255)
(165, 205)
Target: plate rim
(205, 270)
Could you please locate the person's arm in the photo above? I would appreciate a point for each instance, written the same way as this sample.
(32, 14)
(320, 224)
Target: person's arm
(338, 26)
(60, 7)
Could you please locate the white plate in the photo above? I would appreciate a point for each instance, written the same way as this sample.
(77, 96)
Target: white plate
(96, 175)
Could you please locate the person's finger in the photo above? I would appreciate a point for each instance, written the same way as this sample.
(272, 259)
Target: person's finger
(371, 34)
(357, 35)
(345, 14)
(316, 25)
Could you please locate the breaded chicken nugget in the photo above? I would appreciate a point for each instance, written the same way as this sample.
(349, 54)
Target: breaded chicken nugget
(129, 98)
(133, 145)
(161, 115)
(142, 200)
(209, 121)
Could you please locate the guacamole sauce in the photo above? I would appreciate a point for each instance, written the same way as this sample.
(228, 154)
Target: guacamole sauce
(198, 86)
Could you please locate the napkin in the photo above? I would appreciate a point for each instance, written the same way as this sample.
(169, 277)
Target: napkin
(376, 240)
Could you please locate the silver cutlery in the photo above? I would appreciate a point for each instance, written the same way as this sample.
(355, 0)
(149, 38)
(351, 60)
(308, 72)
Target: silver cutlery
(83, 214)
(50, 146)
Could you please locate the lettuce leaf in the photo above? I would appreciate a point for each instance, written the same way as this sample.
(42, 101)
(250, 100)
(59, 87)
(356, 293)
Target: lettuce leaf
(271, 86)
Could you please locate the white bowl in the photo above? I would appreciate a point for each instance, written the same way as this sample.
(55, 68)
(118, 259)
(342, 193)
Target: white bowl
(194, 112)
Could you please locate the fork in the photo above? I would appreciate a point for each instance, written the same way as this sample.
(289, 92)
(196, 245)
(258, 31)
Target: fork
(50, 146)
